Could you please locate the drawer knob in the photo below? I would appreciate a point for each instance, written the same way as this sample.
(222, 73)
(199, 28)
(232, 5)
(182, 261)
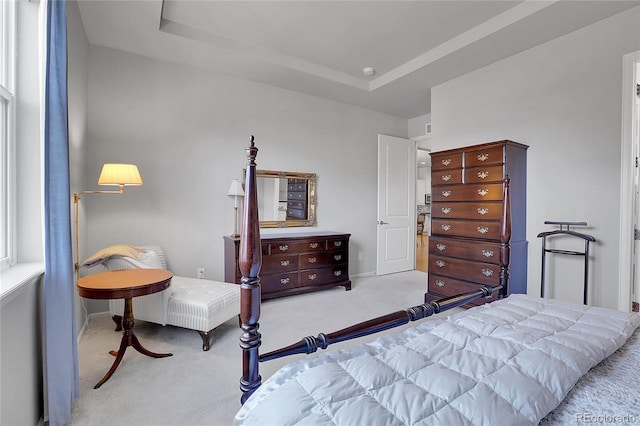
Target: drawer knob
(313, 245)
(337, 243)
(441, 263)
(440, 283)
(337, 273)
(284, 247)
(312, 260)
(446, 178)
(483, 157)
(483, 174)
(446, 210)
(312, 277)
(483, 210)
(441, 247)
(487, 272)
(284, 281)
(285, 262)
(337, 257)
(483, 229)
(483, 192)
(446, 161)
(446, 227)
(487, 253)
(446, 193)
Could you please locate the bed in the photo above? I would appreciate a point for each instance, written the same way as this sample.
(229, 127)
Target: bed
(519, 360)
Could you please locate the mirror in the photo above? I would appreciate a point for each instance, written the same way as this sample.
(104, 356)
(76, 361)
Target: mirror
(286, 199)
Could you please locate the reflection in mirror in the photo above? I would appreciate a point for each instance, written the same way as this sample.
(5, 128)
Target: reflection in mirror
(286, 199)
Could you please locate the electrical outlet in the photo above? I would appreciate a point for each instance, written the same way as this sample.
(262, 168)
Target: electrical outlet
(201, 273)
(360, 257)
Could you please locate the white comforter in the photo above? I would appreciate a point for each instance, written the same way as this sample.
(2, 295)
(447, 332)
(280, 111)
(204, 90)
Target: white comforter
(508, 362)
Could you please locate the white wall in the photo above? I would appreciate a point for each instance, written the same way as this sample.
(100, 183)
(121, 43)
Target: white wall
(21, 399)
(21, 391)
(563, 99)
(417, 125)
(187, 130)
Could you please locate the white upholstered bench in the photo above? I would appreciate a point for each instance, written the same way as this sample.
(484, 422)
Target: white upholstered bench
(191, 303)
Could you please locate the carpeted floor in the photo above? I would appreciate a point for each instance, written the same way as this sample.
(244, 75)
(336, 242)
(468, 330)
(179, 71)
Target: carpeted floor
(194, 387)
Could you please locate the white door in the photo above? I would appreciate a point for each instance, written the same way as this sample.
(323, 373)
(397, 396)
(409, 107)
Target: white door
(396, 205)
(629, 264)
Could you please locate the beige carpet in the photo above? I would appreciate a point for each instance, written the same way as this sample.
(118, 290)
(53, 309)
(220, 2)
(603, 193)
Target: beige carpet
(194, 387)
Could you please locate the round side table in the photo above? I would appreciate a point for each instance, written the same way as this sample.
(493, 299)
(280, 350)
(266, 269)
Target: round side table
(125, 284)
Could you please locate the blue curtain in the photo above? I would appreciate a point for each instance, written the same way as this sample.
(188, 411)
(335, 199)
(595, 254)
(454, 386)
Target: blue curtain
(60, 345)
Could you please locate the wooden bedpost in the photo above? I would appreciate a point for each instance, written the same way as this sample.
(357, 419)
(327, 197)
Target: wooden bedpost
(250, 260)
(505, 237)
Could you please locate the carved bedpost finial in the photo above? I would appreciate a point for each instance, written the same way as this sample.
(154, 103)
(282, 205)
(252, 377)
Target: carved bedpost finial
(250, 261)
(252, 151)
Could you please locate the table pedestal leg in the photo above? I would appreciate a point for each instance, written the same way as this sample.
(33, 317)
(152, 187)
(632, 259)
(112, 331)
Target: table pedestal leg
(128, 339)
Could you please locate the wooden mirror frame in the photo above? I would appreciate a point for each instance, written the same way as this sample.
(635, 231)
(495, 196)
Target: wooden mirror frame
(311, 198)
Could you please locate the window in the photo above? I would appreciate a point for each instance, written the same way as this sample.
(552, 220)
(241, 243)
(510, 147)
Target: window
(7, 134)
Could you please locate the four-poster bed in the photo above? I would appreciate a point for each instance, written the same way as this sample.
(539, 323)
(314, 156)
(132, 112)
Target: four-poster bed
(513, 360)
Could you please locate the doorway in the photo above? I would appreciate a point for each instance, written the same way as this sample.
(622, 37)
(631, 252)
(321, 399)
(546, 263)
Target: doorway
(423, 206)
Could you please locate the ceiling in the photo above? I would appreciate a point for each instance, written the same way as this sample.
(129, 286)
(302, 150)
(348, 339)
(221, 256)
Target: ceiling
(321, 47)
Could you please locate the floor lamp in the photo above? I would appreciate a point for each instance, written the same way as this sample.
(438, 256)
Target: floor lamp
(235, 190)
(119, 175)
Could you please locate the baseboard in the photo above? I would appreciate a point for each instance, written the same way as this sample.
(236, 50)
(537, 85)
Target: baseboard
(364, 274)
(373, 274)
(86, 322)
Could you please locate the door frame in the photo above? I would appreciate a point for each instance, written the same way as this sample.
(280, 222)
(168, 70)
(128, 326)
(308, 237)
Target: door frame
(630, 70)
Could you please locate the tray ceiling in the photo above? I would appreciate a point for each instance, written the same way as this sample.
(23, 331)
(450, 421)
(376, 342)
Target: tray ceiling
(321, 47)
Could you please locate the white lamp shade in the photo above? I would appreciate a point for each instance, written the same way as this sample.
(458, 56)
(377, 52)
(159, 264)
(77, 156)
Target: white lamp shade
(120, 174)
(235, 188)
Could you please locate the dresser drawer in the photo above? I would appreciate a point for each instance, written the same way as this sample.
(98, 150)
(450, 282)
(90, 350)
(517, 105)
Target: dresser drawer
(470, 192)
(446, 286)
(490, 210)
(484, 156)
(465, 249)
(337, 244)
(446, 177)
(323, 276)
(279, 282)
(477, 272)
(297, 205)
(279, 263)
(484, 174)
(293, 246)
(471, 229)
(446, 161)
(315, 260)
(296, 195)
(297, 185)
(300, 214)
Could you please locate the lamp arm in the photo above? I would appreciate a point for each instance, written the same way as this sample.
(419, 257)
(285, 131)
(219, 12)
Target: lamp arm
(76, 201)
(77, 195)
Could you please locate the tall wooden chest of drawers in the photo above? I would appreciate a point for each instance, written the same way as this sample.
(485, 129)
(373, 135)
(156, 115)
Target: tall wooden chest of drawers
(295, 263)
(466, 218)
